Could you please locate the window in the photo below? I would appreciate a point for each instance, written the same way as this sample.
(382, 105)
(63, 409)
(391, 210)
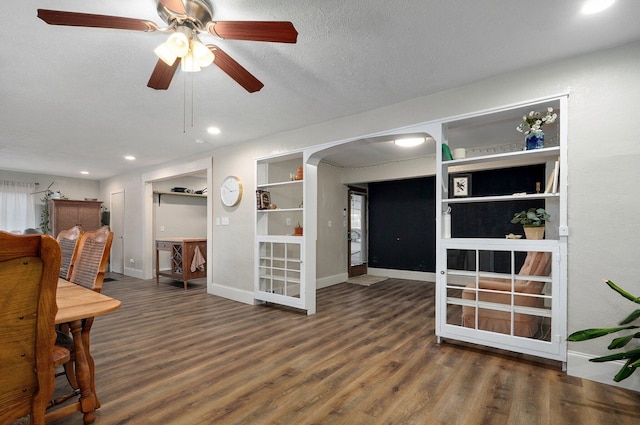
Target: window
(17, 206)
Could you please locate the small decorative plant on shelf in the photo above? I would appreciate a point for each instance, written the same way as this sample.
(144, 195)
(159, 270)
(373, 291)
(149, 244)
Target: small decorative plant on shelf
(532, 125)
(532, 221)
(632, 356)
(297, 231)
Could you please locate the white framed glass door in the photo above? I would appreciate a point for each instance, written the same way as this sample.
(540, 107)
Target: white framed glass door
(357, 232)
(504, 297)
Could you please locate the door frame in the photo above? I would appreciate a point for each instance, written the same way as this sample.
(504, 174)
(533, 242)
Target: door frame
(148, 243)
(360, 269)
(118, 243)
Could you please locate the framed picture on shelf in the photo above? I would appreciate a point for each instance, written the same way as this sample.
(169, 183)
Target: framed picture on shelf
(460, 185)
(263, 199)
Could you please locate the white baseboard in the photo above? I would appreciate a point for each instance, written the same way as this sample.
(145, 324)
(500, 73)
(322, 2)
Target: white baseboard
(325, 282)
(134, 273)
(235, 294)
(247, 297)
(402, 274)
(578, 365)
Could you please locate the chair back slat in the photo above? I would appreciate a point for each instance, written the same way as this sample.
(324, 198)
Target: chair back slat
(68, 240)
(92, 258)
(29, 266)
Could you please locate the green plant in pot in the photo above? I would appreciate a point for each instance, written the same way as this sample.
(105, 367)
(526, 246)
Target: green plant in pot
(632, 354)
(532, 221)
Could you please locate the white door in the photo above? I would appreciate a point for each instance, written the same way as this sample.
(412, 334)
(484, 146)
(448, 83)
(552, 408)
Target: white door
(117, 227)
(510, 298)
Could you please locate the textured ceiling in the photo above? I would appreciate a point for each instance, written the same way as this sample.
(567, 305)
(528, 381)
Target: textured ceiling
(76, 98)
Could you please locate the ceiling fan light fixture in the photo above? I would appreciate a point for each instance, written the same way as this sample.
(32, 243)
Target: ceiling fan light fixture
(176, 46)
(178, 42)
(409, 142)
(189, 63)
(165, 53)
(201, 53)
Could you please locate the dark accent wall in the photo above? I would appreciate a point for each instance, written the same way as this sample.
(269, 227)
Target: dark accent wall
(493, 219)
(402, 224)
(402, 216)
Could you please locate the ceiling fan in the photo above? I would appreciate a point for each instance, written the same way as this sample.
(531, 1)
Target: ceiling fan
(186, 20)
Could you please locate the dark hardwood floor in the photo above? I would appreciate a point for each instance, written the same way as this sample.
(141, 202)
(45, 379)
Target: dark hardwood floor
(369, 356)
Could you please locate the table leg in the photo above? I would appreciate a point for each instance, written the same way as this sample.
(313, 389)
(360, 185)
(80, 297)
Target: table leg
(157, 265)
(83, 373)
(86, 341)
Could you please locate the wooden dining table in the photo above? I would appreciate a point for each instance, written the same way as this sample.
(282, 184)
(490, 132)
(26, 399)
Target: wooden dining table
(77, 306)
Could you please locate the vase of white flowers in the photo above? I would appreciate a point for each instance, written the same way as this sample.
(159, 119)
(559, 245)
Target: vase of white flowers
(532, 125)
(534, 140)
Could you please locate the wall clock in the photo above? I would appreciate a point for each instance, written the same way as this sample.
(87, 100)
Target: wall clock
(231, 191)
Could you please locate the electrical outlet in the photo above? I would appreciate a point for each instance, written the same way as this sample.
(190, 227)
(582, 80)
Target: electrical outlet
(288, 221)
(162, 228)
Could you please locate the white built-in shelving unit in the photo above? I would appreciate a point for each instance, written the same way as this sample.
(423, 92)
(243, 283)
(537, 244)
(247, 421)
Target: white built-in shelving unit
(502, 316)
(279, 275)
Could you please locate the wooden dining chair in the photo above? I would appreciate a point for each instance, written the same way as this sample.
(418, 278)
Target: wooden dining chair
(87, 269)
(68, 240)
(29, 267)
(92, 259)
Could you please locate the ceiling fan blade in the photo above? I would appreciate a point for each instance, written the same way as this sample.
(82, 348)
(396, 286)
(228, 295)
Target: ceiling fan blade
(75, 19)
(234, 70)
(173, 5)
(162, 75)
(279, 32)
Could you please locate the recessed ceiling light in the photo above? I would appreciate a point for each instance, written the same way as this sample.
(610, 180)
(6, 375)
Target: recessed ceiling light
(594, 6)
(130, 157)
(409, 142)
(213, 130)
(84, 172)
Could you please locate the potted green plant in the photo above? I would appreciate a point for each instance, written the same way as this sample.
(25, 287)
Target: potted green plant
(632, 354)
(532, 221)
(44, 212)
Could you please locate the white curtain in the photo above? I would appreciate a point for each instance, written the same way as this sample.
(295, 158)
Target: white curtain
(17, 206)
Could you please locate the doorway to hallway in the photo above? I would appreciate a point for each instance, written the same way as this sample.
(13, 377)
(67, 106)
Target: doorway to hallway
(357, 231)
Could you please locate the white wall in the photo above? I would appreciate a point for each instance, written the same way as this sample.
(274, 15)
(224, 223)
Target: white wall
(603, 156)
(178, 216)
(410, 168)
(331, 255)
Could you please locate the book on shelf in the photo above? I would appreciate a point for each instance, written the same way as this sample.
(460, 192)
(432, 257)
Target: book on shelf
(556, 175)
(552, 181)
(263, 199)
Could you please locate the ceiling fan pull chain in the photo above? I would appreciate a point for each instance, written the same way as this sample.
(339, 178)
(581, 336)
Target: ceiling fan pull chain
(192, 99)
(184, 102)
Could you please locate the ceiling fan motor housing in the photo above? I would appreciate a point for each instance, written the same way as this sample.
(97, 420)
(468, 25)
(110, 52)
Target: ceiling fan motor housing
(196, 13)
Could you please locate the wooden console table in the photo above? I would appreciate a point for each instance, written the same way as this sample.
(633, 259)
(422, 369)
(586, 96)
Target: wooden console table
(183, 251)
